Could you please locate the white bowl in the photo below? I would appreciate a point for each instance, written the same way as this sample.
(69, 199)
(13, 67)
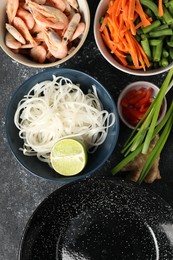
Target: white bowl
(138, 85)
(100, 12)
(84, 11)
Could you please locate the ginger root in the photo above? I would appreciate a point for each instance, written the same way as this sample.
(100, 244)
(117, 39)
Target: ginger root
(135, 166)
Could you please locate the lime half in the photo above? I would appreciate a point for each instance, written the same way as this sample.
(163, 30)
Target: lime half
(68, 157)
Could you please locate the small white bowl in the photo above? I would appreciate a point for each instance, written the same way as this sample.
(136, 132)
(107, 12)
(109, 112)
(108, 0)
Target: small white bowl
(85, 13)
(138, 85)
(100, 12)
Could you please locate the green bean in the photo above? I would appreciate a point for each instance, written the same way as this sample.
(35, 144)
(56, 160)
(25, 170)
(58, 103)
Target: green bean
(168, 4)
(171, 9)
(165, 53)
(153, 50)
(158, 52)
(161, 33)
(146, 47)
(151, 5)
(152, 26)
(167, 16)
(155, 42)
(164, 62)
(170, 44)
(144, 36)
(149, 12)
(161, 27)
(170, 41)
(129, 59)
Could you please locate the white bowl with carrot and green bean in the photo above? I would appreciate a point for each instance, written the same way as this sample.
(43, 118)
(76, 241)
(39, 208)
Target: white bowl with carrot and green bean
(136, 36)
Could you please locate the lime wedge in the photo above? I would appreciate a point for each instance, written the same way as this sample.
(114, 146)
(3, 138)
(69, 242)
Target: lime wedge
(68, 157)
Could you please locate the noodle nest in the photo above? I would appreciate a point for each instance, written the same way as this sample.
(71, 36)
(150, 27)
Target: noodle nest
(56, 109)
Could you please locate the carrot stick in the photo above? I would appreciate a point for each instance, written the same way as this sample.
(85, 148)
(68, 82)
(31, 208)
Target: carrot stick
(132, 48)
(131, 10)
(140, 23)
(141, 13)
(118, 10)
(121, 57)
(124, 3)
(160, 8)
(107, 41)
(132, 27)
(125, 13)
(103, 24)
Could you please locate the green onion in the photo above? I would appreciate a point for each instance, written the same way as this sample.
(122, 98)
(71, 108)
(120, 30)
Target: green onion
(146, 130)
(156, 149)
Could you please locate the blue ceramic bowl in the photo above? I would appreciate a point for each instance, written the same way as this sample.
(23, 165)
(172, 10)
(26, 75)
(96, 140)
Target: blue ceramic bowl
(41, 169)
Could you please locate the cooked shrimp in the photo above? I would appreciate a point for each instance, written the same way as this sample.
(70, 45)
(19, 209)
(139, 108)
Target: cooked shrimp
(11, 9)
(11, 42)
(55, 45)
(38, 53)
(59, 4)
(27, 46)
(68, 8)
(37, 28)
(15, 33)
(39, 37)
(21, 27)
(26, 17)
(73, 3)
(49, 12)
(79, 30)
(71, 27)
(47, 22)
(40, 2)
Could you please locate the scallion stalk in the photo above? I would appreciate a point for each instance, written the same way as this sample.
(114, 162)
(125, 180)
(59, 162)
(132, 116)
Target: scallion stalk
(156, 149)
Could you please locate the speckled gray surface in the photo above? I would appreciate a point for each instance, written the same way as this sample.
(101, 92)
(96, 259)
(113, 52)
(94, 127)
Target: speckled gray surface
(20, 192)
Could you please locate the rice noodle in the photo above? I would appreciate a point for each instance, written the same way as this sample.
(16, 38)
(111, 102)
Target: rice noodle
(56, 109)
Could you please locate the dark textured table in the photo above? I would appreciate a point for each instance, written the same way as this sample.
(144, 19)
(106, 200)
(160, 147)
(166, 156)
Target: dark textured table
(21, 192)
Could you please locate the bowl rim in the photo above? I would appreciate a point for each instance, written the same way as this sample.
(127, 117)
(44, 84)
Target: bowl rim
(136, 85)
(29, 63)
(48, 73)
(105, 53)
